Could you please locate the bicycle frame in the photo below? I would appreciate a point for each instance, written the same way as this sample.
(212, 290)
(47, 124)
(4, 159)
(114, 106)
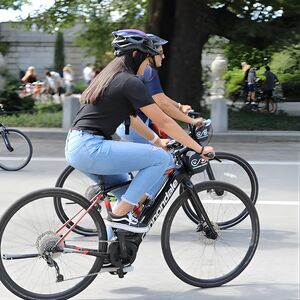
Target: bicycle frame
(150, 214)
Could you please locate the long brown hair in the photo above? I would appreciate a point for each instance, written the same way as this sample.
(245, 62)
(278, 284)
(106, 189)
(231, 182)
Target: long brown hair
(128, 63)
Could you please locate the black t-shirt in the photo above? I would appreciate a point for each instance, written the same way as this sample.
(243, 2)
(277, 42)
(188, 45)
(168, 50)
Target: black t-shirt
(123, 96)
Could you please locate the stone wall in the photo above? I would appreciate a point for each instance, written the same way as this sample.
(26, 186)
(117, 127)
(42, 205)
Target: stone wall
(36, 48)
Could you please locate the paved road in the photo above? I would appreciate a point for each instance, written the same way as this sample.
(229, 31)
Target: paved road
(272, 274)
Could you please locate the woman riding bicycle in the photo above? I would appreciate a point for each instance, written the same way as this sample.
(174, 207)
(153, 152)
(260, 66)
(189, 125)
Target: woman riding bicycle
(152, 82)
(113, 97)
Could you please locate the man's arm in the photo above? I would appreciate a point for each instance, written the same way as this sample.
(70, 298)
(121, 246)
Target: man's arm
(171, 108)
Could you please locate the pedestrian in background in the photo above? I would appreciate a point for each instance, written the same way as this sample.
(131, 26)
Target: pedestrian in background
(68, 79)
(268, 86)
(246, 68)
(87, 74)
(252, 85)
(54, 83)
(30, 75)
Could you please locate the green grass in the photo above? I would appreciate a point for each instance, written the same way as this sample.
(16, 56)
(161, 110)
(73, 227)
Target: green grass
(40, 119)
(236, 120)
(262, 121)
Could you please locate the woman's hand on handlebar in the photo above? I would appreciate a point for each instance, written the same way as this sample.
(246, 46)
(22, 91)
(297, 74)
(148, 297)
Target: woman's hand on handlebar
(208, 152)
(198, 122)
(163, 143)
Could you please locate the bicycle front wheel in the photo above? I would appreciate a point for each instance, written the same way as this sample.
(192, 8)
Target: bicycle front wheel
(193, 255)
(15, 150)
(234, 170)
(34, 264)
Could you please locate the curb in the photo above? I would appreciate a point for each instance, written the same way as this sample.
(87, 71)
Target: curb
(256, 136)
(231, 136)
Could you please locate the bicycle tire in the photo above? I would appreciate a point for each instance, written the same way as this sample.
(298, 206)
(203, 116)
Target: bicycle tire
(201, 252)
(22, 207)
(272, 106)
(20, 143)
(253, 193)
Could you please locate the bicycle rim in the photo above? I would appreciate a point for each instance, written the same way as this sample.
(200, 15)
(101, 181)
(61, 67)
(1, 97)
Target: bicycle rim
(234, 170)
(199, 260)
(272, 106)
(21, 151)
(30, 227)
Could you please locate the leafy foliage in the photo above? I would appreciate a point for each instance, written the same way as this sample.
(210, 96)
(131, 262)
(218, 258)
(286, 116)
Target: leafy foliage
(99, 19)
(255, 23)
(13, 4)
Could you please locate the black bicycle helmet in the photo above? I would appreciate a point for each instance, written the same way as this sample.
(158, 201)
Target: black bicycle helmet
(128, 40)
(157, 41)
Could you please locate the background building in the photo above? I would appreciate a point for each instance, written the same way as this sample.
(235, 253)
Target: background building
(36, 48)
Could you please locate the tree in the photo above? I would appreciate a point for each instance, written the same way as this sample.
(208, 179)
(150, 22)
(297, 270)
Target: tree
(13, 4)
(59, 56)
(187, 24)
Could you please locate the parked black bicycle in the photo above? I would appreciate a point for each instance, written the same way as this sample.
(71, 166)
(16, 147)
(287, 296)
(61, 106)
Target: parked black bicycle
(42, 256)
(16, 149)
(228, 168)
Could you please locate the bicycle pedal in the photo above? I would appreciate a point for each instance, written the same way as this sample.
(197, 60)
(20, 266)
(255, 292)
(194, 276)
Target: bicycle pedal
(115, 270)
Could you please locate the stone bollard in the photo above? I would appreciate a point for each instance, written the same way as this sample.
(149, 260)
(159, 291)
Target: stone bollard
(71, 106)
(218, 112)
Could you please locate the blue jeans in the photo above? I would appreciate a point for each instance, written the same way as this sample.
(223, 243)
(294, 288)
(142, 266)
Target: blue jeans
(93, 154)
(133, 136)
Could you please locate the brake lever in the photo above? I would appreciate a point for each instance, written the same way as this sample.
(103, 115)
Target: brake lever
(212, 156)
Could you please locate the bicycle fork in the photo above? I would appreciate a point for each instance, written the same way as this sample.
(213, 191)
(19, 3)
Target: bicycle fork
(204, 221)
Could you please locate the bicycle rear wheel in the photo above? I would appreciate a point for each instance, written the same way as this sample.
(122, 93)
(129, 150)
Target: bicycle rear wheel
(272, 106)
(29, 231)
(234, 170)
(196, 258)
(15, 151)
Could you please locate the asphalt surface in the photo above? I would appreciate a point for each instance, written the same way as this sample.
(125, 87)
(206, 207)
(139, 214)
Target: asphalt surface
(272, 274)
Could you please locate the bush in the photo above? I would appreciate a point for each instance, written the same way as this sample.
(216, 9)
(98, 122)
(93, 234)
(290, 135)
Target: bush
(290, 83)
(79, 87)
(12, 103)
(11, 100)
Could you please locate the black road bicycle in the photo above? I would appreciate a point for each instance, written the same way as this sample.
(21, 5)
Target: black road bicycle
(44, 258)
(16, 149)
(228, 168)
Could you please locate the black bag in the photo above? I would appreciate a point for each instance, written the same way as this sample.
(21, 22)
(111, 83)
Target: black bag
(194, 162)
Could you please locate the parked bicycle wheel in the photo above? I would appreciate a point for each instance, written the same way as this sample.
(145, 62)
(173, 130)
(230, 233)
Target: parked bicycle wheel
(15, 151)
(31, 260)
(196, 258)
(233, 169)
(272, 106)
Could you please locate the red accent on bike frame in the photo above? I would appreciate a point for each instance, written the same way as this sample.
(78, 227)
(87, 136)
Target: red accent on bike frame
(95, 200)
(159, 132)
(107, 203)
(168, 172)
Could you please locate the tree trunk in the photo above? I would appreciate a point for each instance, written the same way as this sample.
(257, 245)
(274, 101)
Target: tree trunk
(187, 25)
